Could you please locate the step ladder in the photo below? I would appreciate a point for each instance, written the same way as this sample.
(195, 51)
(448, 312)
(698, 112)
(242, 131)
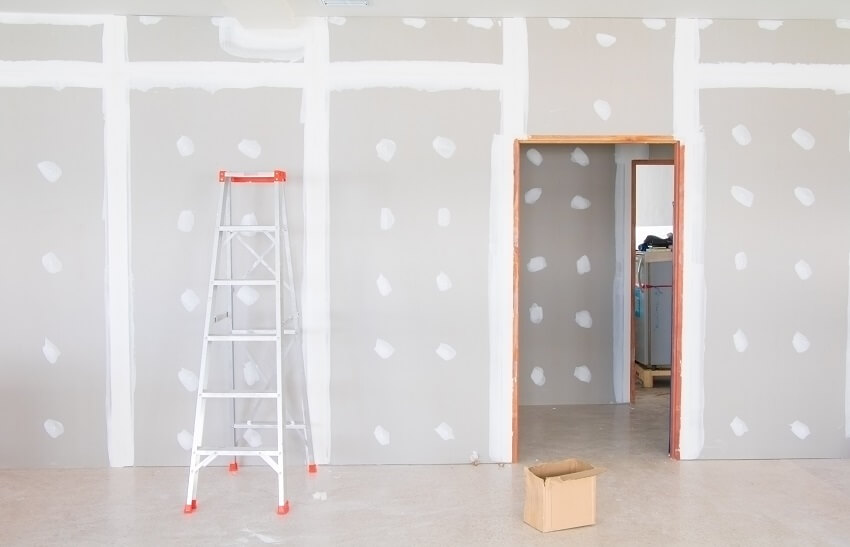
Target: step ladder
(220, 328)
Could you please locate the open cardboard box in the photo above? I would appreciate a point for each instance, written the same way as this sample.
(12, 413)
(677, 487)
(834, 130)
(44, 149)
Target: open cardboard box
(560, 495)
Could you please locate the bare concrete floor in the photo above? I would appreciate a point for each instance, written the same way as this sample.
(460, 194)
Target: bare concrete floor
(643, 499)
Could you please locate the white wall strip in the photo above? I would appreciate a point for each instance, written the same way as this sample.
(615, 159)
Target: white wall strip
(847, 369)
(315, 285)
(686, 127)
(775, 75)
(116, 138)
(514, 88)
(213, 76)
(74, 20)
(419, 75)
(53, 74)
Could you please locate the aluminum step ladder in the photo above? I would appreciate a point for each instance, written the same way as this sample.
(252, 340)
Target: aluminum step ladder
(220, 328)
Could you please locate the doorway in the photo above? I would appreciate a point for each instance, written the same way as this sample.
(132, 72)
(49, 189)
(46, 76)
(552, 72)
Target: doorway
(564, 154)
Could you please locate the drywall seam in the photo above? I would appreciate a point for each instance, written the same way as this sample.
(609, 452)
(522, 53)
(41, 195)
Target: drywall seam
(419, 75)
(686, 126)
(514, 88)
(116, 137)
(315, 285)
(53, 74)
(847, 369)
(213, 76)
(72, 20)
(775, 75)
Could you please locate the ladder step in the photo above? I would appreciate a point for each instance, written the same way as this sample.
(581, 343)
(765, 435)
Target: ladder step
(244, 282)
(266, 425)
(241, 338)
(236, 451)
(257, 228)
(238, 395)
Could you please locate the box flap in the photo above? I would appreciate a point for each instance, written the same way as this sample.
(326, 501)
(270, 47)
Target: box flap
(581, 474)
(559, 468)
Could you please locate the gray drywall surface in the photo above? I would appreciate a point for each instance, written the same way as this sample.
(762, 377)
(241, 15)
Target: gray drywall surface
(49, 42)
(563, 358)
(52, 227)
(794, 279)
(413, 391)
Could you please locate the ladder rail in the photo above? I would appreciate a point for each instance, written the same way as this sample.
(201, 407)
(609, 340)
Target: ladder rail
(281, 461)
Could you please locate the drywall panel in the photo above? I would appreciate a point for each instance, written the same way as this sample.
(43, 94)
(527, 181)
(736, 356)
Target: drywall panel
(50, 42)
(776, 256)
(176, 39)
(409, 209)
(600, 76)
(354, 39)
(775, 42)
(567, 259)
(53, 359)
(180, 140)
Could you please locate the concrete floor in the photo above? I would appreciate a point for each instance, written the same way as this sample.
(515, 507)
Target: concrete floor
(643, 499)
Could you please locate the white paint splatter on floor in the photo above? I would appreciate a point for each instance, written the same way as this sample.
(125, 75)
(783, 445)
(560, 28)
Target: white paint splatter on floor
(446, 352)
(803, 138)
(534, 156)
(384, 349)
(558, 23)
(804, 271)
(538, 376)
(805, 196)
(184, 439)
(583, 265)
(185, 146)
(387, 219)
(740, 341)
(384, 286)
(741, 261)
(414, 22)
(800, 429)
(189, 379)
(742, 196)
(654, 24)
(186, 221)
(580, 203)
(485, 23)
(444, 217)
(739, 427)
(262, 537)
(583, 374)
(50, 171)
(535, 314)
(800, 342)
(444, 283)
(250, 148)
(320, 496)
(248, 295)
(54, 428)
(50, 351)
(742, 134)
(382, 436)
(605, 40)
(766, 24)
(536, 264)
(445, 431)
(386, 149)
(51, 263)
(533, 195)
(583, 319)
(189, 300)
(444, 146)
(578, 156)
(602, 109)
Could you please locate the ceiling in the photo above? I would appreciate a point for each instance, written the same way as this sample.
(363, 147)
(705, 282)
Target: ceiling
(268, 12)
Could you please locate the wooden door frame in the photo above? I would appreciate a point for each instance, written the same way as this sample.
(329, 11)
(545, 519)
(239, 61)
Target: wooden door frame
(678, 195)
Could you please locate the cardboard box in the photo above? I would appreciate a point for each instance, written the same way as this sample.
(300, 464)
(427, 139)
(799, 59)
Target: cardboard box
(560, 495)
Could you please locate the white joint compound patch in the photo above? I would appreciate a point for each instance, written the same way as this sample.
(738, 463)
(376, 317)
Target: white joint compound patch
(605, 40)
(252, 438)
(386, 149)
(184, 439)
(261, 43)
(414, 22)
(444, 146)
(739, 427)
(742, 196)
(338, 21)
(558, 23)
(387, 219)
(803, 138)
(149, 19)
(50, 351)
(533, 195)
(474, 458)
(251, 373)
(805, 196)
(384, 286)
(766, 24)
(536, 264)
(51, 263)
(740, 341)
(843, 24)
(185, 146)
(445, 432)
(49, 170)
(583, 319)
(578, 156)
(444, 283)
(320, 496)
(446, 352)
(741, 261)
(54, 428)
(742, 135)
(189, 300)
(534, 156)
(535, 314)
(800, 342)
(804, 271)
(580, 203)
(583, 374)
(189, 379)
(248, 219)
(186, 221)
(485, 23)
(444, 217)
(382, 436)
(583, 265)
(602, 109)
(704, 23)
(538, 376)
(250, 148)
(384, 349)
(248, 295)
(800, 429)
(654, 24)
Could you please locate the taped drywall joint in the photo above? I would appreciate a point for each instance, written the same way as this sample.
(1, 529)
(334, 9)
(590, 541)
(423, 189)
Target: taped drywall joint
(821, 77)
(847, 367)
(514, 93)
(273, 44)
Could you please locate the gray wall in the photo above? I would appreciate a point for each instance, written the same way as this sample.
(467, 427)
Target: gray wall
(561, 361)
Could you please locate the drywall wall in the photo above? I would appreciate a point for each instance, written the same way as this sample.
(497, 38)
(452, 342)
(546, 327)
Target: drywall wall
(567, 258)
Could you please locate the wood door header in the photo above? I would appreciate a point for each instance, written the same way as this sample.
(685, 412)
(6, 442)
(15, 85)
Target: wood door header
(598, 139)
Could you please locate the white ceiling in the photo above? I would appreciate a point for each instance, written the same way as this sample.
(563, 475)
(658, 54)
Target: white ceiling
(267, 12)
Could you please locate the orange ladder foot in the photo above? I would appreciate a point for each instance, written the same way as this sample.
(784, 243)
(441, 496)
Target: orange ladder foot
(189, 508)
(283, 509)
(312, 468)
(234, 467)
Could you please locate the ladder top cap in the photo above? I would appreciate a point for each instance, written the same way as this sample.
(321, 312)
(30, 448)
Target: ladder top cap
(248, 178)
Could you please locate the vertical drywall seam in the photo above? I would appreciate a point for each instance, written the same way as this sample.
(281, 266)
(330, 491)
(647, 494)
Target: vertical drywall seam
(116, 137)
(847, 366)
(500, 282)
(687, 129)
(315, 285)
